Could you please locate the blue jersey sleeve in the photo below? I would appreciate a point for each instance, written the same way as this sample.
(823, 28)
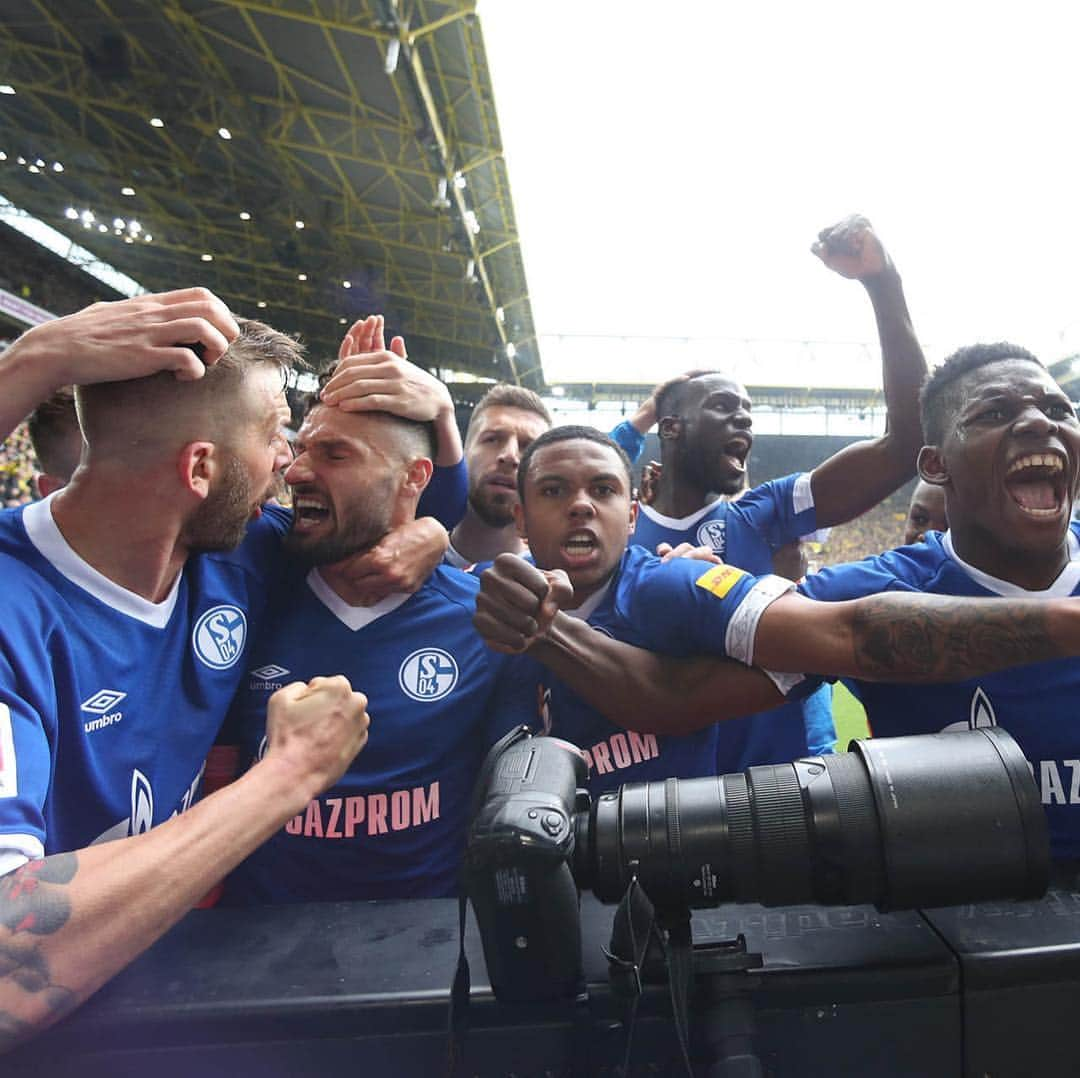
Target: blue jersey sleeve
(779, 511)
(629, 439)
(445, 496)
(685, 606)
(871, 576)
(25, 767)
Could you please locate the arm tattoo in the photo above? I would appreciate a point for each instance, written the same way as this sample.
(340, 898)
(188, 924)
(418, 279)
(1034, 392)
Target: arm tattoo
(33, 903)
(926, 638)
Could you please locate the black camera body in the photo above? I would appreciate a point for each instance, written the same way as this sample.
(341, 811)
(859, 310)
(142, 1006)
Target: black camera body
(517, 868)
(932, 820)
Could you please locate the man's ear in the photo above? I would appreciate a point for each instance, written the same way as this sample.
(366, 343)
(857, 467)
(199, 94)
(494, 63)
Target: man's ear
(932, 466)
(519, 521)
(633, 517)
(670, 428)
(196, 464)
(418, 475)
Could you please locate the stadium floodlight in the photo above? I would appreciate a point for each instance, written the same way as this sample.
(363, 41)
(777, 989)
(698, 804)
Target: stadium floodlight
(470, 271)
(119, 223)
(134, 227)
(21, 160)
(103, 228)
(459, 181)
(208, 258)
(393, 50)
(6, 89)
(472, 223)
(500, 315)
(225, 133)
(261, 303)
(156, 121)
(39, 163)
(57, 167)
(346, 284)
(440, 201)
(301, 276)
(244, 215)
(299, 224)
(32, 168)
(128, 191)
(148, 238)
(511, 350)
(3, 156)
(71, 213)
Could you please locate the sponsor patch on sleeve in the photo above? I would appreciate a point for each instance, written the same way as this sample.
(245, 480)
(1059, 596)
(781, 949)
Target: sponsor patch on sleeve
(720, 579)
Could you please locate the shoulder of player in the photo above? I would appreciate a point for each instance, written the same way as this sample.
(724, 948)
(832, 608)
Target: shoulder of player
(911, 568)
(450, 585)
(261, 551)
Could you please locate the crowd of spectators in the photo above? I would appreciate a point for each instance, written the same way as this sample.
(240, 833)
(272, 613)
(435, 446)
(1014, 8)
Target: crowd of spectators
(17, 468)
(882, 528)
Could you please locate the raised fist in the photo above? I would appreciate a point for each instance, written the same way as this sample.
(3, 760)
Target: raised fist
(852, 249)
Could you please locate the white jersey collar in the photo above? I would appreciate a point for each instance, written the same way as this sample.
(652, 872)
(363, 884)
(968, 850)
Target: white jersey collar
(1061, 588)
(679, 523)
(53, 547)
(352, 617)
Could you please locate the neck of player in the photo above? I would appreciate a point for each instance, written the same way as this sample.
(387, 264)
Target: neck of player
(476, 541)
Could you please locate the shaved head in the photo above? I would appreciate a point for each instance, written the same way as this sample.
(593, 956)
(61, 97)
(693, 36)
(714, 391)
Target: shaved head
(147, 418)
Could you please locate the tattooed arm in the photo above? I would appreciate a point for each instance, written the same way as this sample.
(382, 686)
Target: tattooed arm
(71, 921)
(915, 637)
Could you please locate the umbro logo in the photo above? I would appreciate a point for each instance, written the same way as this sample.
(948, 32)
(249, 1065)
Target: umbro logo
(102, 701)
(267, 673)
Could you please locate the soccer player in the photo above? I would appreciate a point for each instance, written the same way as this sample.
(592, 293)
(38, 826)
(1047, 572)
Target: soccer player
(127, 616)
(56, 439)
(576, 510)
(926, 512)
(503, 423)
(1004, 448)
(392, 827)
(705, 429)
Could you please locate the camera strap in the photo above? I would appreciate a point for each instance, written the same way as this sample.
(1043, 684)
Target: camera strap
(634, 931)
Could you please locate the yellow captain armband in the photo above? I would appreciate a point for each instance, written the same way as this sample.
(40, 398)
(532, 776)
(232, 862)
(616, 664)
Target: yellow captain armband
(720, 579)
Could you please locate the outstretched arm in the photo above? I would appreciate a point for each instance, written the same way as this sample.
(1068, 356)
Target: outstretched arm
(71, 921)
(915, 637)
(108, 342)
(518, 610)
(861, 475)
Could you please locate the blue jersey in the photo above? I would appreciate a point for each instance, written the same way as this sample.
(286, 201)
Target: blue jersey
(1034, 703)
(679, 608)
(747, 533)
(110, 703)
(394, 825)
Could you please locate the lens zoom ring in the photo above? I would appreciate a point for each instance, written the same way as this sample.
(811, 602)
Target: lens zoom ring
(860, 831)
(741, 861)
(782, 840)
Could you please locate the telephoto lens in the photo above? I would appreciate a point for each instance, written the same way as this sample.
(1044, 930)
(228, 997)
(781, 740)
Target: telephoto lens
(933, 820)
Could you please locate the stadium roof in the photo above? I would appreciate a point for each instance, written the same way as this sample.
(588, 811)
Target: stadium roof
(274, 150)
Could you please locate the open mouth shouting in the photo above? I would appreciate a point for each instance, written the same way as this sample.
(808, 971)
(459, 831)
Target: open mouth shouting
(1037, 484)
(309, 511)
(579, 548)
(736, 450)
